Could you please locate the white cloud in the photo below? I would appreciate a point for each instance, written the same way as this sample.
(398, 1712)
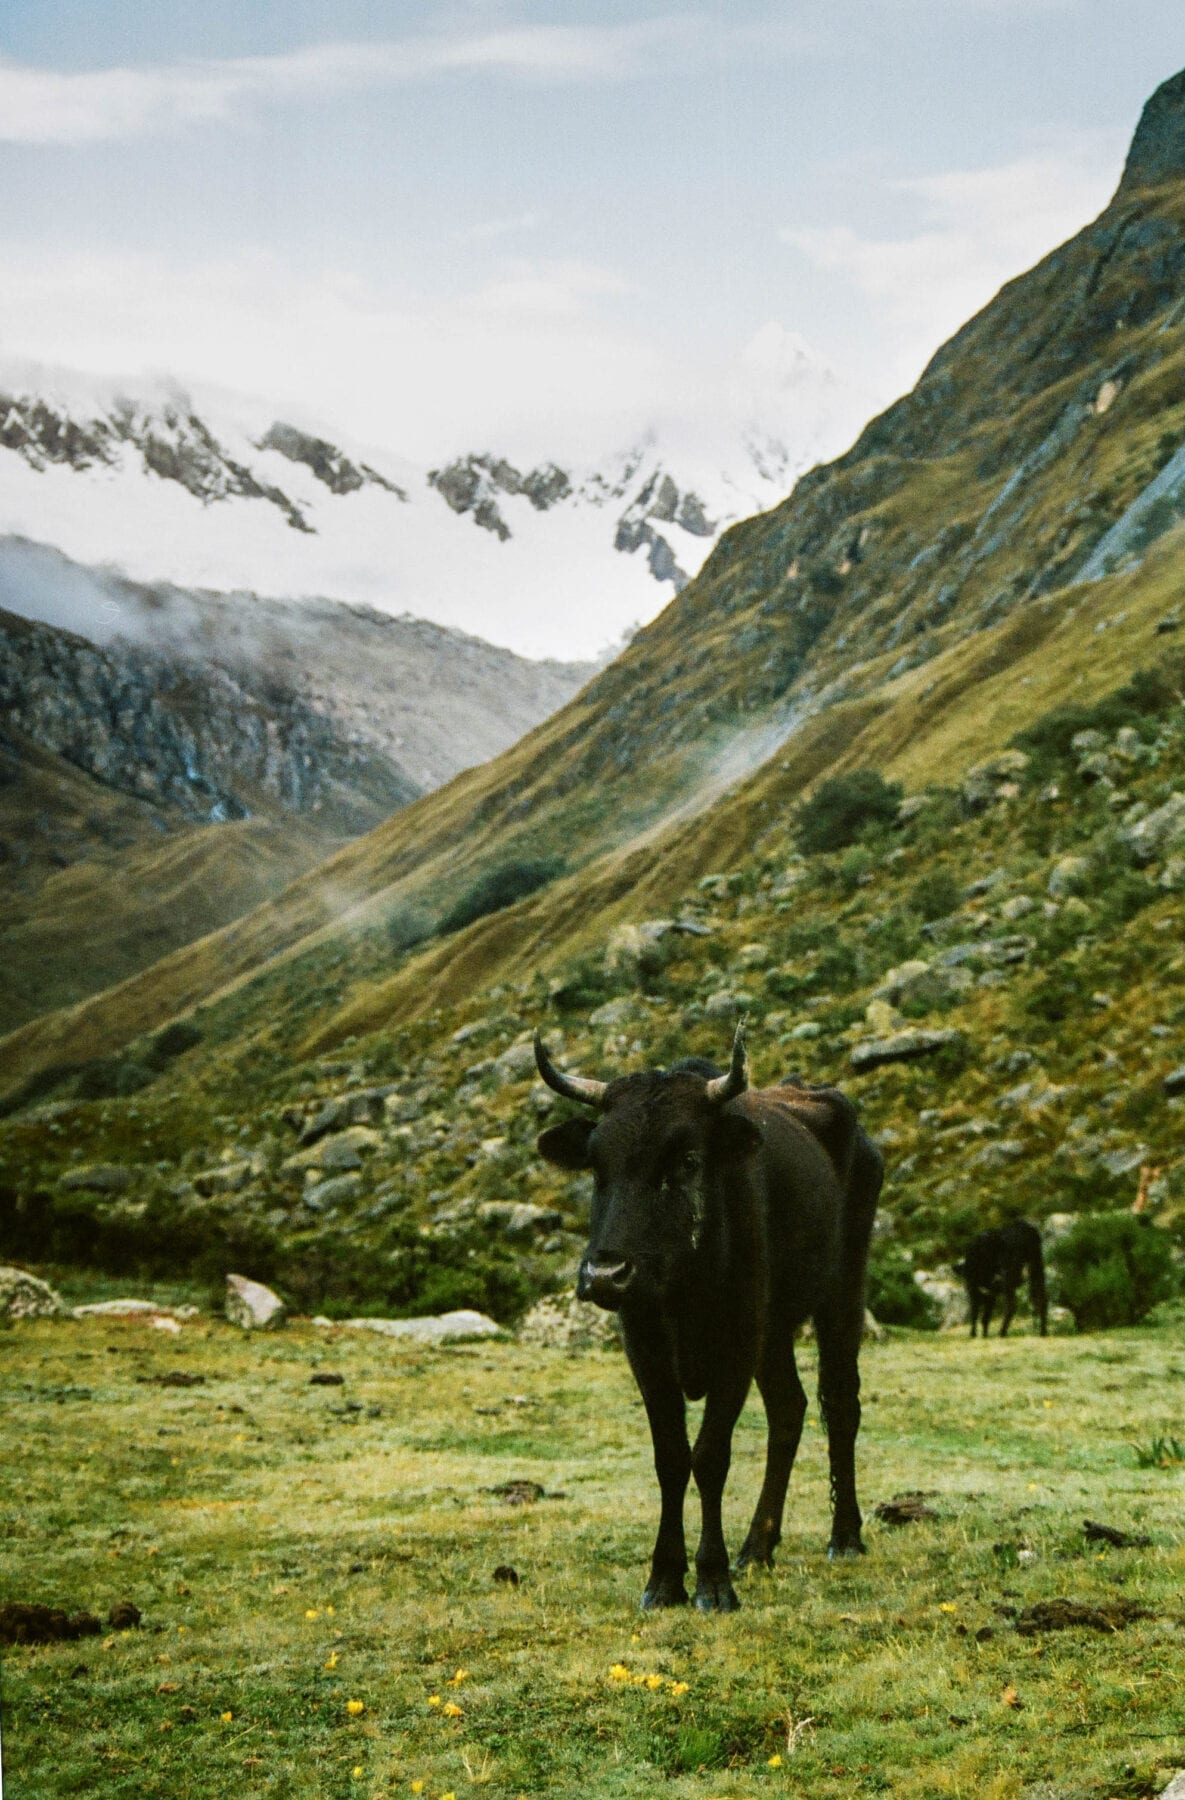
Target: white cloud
(50, 106)
(977, 229)
(488, 231)
(529, 361)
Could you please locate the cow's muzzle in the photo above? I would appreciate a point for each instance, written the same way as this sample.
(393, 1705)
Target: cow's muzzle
(604, 1283)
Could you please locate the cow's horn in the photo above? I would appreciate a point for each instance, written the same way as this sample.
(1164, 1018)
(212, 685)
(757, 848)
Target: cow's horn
(572, 1087)
(727, 1087)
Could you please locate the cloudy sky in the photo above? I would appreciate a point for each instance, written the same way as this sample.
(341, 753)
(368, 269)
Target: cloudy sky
(505, 222)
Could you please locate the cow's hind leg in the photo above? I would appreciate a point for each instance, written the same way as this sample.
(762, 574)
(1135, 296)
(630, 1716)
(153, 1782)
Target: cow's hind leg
(1010, 1286)
(654, 1372)
(785, 1409)
(839, 1397)
(710, 1461)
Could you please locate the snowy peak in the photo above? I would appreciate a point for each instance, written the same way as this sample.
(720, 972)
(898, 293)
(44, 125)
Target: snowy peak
(554, 557)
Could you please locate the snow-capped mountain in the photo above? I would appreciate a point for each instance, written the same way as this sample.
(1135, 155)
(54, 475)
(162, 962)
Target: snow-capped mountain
(554, 558)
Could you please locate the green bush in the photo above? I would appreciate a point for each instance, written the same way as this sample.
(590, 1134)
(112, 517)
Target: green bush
(501, 887)
(1112, 1269)
(844, 807)
(935, 896)
(894, 1297)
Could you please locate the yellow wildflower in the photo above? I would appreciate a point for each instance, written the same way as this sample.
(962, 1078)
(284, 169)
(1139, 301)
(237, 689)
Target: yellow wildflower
(332, 1663)
(619, 1672)
(449, 1796)
(356, 1771)
(677, 1688)
(433, 1699)
(774, 1762)
(310, 1612)
(653, 1681)
(417, 1787)
(948, 1606)
(329, 1610)
(451, 1710)
(354, 1707)
(227, 1717)
(458, 1678)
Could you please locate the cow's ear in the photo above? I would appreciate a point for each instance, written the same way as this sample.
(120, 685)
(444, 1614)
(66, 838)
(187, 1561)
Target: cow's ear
(566, 1145)
(735, 1135)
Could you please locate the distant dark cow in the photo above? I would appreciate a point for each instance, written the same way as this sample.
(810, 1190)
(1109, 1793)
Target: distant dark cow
(994, 1264)
(722, 1218)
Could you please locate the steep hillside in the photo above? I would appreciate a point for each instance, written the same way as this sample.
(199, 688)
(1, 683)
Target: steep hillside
(1001, 542)
(168, 714)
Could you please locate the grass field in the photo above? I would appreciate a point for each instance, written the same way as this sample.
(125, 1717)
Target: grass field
(296, 1549)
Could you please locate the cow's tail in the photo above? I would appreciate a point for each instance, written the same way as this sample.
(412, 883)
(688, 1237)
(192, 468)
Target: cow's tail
(1038, 1299)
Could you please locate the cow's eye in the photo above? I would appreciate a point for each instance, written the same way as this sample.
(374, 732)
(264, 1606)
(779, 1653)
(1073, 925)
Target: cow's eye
(689, 1162)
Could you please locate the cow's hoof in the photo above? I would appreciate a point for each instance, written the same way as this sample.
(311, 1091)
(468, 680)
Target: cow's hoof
(755, 1556)
(663, 1590)
(716, 1596)
(841, 1552)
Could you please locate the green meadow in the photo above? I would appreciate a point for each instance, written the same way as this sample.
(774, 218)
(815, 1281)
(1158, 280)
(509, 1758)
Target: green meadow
(314, 1566)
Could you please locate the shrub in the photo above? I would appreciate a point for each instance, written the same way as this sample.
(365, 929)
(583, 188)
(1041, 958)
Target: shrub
(894, 1297)
(501, 887)
(1112, 1269)
(844, 807)
(173, 1041)
(935, 896)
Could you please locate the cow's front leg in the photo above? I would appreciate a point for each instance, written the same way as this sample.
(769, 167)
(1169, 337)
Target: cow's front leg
(654, 1371)
(710, 1460)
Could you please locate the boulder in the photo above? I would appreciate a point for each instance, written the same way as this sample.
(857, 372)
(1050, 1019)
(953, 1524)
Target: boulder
(630, 945)
(519, 1218)
(130, 1308)
(516, 1064)
(1157, 834)
(562, 1322)
(340, 1151)
(336, 1190)
(253, 1306)
(924, 984)
(26, 1297)
(224, 1178)
(948, 1294)
(728, 1003)
(994, 780)
(624, 1011)
(901, 1046)
(1017, 907)
(443, 1328)
(810, 1028)
(99, 1178)
(362, 1106)
(752, 956)
(1068, 876)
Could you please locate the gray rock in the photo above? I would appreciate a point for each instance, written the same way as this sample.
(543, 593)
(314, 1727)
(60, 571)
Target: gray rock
(1083, 742)
(519, 1218)
(902, 1046)
(516, 1064)
(362, 1106)
(1129, 744)
(223, 1178)
(810, 1028)
(27, 1297)
(1174, 1081)
(444, 1328)
(1158, 833)
(1068, 876)
(99, 1178)
(624, 1011)
(924, 984)
(995, 1156)
(133, 1309)
(338, 1190)
(1017, 907)
(994, 780)
(1175, 1789)
(341, 1150)
(1125, 1161)
(253, 1306)
(562, 1322)
(948, 1293)
(726, 1004)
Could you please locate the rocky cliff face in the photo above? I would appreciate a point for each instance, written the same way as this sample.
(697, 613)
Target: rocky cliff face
(189, 735)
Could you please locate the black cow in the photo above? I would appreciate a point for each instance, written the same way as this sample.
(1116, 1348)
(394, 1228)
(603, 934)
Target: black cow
(994, 1264)
(722, 1218)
